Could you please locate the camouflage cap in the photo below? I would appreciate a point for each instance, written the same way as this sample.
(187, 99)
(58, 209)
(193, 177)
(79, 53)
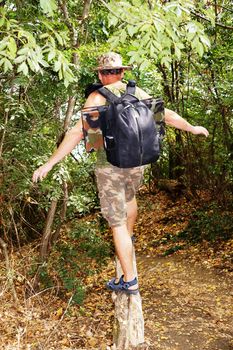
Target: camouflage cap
(111, 60)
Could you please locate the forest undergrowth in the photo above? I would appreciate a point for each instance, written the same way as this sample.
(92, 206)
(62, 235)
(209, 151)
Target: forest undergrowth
(185, 281)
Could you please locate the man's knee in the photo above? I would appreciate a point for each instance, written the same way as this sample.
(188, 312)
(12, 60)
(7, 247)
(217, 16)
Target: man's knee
(132, 208)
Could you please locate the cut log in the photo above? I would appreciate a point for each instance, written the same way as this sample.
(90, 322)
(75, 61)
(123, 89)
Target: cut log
(128, 329)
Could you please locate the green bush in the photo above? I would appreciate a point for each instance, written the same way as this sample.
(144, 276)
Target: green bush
(210, 225)
(78, 254)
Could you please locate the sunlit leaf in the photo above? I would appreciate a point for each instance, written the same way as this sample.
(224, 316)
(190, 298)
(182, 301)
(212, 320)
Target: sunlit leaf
(2, 21)
(7, 65)
(12, 47)
(23, 67)
(48, 6)
(20, 59)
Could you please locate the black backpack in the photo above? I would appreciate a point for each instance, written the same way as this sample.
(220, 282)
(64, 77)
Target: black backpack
(131, 136)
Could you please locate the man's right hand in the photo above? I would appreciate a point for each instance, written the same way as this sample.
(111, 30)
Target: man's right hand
(41, 172)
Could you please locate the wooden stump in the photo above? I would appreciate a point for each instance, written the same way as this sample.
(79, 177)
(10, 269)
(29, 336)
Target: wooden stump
(128, 329)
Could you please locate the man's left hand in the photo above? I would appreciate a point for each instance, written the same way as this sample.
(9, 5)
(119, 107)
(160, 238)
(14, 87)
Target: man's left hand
(200, 130)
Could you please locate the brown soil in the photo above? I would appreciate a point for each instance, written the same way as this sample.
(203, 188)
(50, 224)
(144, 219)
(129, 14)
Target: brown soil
(187, 297)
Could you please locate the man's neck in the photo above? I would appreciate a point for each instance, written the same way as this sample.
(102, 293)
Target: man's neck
(117, 83)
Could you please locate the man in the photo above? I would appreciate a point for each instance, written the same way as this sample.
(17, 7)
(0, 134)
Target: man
(117, 187)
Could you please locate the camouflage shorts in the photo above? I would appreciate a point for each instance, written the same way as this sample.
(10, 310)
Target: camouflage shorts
(116, 187)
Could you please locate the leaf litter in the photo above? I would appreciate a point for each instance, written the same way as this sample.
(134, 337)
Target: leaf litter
(187, 296)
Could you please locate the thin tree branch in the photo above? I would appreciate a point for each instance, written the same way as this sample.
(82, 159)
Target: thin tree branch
(208, 20)
(3, 134)
(73, 31)
(149, 4)
(8, 269)
(223, 7)
(86, 9)
(15, 226)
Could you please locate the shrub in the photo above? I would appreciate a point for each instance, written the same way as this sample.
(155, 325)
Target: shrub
(210, 225)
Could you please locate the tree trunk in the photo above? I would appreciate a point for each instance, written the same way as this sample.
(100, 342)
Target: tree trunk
(62, 213)
(45, 243)
(128, 329)
(47, 232)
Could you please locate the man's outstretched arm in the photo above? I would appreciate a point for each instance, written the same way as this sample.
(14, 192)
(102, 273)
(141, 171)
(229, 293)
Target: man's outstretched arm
(175, 120)
(70, 141)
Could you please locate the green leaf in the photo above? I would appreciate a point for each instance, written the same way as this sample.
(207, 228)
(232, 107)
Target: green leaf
(205, 40)
(134, 57)
(112, 20)
(68, 78)
(2, 21)
(199, 48)
(52, 41)
(57, 66)
(146, 39)
(43, 63)
(60, 74)
(33, 64)
(145, 27)
(12, 47)
(144, 65)
(4, 53)
(23, 68)
(48, 6)
(166, 60)
(20, 59)
(152, 50)
(158, 25)
(44, 36)
(123, 36)
(7, 65)
(114, 41)
(132, 30)
(177, 52)
(29, 36)
(51, 55)
(3, 44)
(210, 14)
(191, 27)
(23, 51)
(137, 3)
(59, 38)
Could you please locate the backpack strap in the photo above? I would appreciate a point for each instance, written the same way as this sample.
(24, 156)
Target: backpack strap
(110, 96)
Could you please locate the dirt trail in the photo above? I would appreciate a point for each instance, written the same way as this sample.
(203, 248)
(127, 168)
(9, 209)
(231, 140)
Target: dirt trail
(187, 297)
(185, 307)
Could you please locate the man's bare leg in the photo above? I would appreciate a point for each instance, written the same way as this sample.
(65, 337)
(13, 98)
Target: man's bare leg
(132, 211)
(124, 250)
